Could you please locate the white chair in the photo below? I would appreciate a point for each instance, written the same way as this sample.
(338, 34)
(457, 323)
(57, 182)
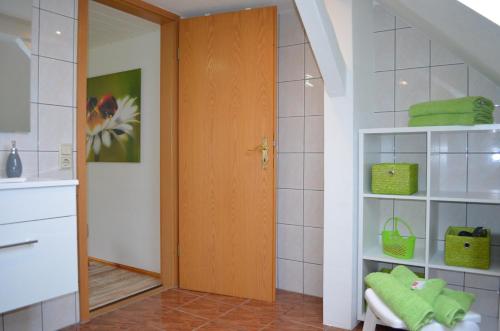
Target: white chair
(378, 313)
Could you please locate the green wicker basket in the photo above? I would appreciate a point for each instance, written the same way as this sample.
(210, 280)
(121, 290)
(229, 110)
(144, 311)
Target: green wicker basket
(394, 244)
(470, 252)
(395, 178)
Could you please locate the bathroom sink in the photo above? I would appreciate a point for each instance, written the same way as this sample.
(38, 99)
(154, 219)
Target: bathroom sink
(12, 180)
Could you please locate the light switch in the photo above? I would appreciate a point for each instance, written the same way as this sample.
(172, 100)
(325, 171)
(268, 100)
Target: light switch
(65, 156)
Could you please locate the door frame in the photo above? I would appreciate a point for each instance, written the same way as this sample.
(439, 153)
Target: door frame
(169, 220)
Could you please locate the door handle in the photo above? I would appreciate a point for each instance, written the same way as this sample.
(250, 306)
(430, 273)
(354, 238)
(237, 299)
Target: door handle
(264, 149)
(21, 243)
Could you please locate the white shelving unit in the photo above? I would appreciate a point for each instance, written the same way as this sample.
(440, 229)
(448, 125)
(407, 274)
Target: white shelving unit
(459, 184)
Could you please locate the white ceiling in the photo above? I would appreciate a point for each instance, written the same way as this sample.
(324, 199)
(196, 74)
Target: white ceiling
(19, 9)
(189, 8)
(107, 25)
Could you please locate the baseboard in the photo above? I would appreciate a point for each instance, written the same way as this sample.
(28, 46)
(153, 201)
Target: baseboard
(126, 267)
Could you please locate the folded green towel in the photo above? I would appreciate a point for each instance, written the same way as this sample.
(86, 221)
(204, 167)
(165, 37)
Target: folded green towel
(448, 311)
(453, 106)
(404, 302)
(450, 119)
(427, 289)
(464, 299)
(404, 275)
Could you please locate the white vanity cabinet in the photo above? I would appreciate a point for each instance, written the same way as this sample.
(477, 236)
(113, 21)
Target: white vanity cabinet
(38, 242)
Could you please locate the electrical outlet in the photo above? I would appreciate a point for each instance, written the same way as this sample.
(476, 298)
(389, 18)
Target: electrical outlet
(65, 156)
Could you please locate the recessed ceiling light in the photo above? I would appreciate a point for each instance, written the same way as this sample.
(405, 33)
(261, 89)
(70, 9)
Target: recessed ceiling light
(58, 32)
(248, 8)
(403, 82)
(207, 14)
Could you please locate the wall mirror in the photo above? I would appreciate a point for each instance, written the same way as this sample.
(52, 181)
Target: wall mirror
(15, 64)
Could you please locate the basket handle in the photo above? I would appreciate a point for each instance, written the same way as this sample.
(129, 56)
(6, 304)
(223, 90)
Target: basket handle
(396, 222)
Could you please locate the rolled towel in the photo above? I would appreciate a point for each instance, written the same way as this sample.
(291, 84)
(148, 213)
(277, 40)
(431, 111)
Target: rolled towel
(404, 302)
(448, 311)
(451, 119)
(464, 299)
(464, 105)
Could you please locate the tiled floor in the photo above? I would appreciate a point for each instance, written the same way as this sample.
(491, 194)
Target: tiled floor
(180, 310)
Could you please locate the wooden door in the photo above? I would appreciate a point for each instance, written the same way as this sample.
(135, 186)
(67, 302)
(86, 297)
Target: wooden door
(227, 77)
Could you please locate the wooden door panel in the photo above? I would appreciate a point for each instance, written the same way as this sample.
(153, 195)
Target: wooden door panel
(226, 199)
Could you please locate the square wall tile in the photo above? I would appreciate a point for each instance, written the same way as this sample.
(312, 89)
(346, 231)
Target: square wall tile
(290, 275)
(291, 134)
(290, 242)
(413, 213)
(59, 312)
(448, 82)
(63, 7)
(313, 279)
(291, 63)
(25, 141)
(485, 177)
(313, 245)
(483, 86)
(401, 119)
(382, 19)
(291, 99)
(486, 302)
(56, 36)
(378, 120)
(291, 31)
(451, 172)
(313, 208)
(412, 86)
(49, 166)
(55, 82)
(441, 55)
(290, 206)
(314, 96)
(290, 170)
(384, 91)
(482, 282)
(313, 171)
(51, 117)
(24, 319)
(412, 49)
(313, 134)
(400, 24)
(311, 67)
(451, 277)
(384, 50)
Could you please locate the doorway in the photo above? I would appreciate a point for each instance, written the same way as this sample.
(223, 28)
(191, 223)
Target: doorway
(167, 183)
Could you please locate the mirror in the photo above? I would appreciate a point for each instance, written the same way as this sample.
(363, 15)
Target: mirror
(15, 64)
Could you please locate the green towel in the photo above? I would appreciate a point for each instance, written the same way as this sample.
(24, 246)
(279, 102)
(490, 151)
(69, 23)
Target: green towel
(428, 289)
(404, 275)
(450, 119)
(465, 105)
(448, 311)
(404, 302)
(464, 299)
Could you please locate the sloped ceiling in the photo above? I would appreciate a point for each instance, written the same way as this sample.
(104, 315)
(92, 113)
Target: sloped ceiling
(469, 35)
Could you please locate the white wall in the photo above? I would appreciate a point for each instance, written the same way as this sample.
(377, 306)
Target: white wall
(124, 198)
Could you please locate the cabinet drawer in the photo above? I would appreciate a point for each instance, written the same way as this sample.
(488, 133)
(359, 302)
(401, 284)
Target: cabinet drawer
(30, 204)
(38, 261)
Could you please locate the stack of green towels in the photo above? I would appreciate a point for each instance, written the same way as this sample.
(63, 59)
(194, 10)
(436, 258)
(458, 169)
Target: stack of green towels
(462, 111)
(418, 301)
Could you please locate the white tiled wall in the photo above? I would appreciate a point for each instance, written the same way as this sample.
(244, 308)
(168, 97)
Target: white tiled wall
(411, 68)
(300, 161)
(53, 96)
(52, 123)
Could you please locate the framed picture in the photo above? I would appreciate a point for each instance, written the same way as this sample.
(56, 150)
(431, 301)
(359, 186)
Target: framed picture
(114, 117)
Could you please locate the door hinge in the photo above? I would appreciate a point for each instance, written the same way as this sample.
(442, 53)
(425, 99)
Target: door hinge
(178, 54)
(178, 250)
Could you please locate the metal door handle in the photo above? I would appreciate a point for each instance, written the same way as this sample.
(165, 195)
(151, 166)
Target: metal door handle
(21, 243)
(264, 149)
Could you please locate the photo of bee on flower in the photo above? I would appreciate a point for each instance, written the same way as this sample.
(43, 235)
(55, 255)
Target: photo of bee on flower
(113, 117)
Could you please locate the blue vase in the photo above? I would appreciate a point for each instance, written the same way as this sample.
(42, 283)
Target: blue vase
(14, 165)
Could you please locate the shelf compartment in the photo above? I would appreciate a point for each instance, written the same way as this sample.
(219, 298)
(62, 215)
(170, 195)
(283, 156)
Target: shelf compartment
(437, 262)
(422, 195)
(470, 197)
(376, 254)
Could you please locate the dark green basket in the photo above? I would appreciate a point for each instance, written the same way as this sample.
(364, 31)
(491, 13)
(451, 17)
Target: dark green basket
(470, 252)
(395, 178)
